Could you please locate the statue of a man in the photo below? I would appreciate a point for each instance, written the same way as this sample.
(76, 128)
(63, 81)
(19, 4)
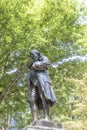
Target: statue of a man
(40, 88)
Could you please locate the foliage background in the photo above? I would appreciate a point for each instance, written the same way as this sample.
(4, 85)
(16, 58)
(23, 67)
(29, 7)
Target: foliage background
(58, 30)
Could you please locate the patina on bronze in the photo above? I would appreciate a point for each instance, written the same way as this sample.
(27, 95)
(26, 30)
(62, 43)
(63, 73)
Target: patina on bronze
(41, 94)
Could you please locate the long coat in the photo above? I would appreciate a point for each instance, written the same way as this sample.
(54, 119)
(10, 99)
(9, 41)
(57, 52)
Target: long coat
(40, 83)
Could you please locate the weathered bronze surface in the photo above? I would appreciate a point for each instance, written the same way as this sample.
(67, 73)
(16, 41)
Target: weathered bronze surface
(41, 94)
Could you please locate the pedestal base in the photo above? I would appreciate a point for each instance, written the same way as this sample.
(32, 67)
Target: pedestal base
(41, 128)
(44, 125)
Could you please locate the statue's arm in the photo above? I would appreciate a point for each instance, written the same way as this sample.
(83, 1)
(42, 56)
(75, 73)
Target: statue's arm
(28, 83)
(43, 64)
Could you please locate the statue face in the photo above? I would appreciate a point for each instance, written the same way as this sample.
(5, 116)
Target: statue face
(34, 55)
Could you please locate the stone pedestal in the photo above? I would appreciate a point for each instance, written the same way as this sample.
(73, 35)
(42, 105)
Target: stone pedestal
(41, 128)
(44, 125)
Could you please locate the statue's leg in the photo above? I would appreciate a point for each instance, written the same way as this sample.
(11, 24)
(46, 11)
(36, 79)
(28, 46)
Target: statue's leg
(34, 110)
(46, 112)
(34, 107)
(45, 108)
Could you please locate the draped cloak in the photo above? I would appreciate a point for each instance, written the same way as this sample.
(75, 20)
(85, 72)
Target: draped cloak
(40, 83)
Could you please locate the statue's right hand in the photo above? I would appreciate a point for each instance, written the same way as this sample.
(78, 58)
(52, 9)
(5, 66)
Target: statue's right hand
(34, 66)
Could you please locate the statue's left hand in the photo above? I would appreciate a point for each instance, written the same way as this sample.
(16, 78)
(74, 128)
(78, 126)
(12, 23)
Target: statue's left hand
(36, 64)
(39, 65)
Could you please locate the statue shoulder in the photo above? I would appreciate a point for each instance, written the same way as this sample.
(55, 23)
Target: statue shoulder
(43, 58)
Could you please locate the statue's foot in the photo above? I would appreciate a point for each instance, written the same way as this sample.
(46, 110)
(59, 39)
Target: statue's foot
(46, 119)
(34, 122)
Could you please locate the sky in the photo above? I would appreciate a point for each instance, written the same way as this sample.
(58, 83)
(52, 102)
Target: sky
(85, 1)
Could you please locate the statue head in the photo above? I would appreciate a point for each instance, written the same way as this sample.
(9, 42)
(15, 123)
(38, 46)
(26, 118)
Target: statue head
(34, 54)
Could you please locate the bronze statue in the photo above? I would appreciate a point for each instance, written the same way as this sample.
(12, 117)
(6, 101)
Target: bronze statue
(40, 87)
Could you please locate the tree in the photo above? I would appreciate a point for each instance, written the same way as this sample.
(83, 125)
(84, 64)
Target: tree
(53, 28)
(79, 102)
